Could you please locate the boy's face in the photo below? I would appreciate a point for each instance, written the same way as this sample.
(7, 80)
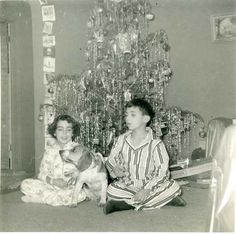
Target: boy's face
(135, 118)
(64, 132)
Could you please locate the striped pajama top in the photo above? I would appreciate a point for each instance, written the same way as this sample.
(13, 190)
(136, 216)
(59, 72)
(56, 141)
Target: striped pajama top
(145, 166)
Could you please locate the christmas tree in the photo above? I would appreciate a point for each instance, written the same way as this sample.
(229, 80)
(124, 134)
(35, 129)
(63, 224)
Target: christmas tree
(124, 61)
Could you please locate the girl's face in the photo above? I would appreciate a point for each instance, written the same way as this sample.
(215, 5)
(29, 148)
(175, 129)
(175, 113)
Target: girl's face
(135, 118)
(64, 132)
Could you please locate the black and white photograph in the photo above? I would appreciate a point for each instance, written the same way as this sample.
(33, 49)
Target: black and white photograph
(118, 116)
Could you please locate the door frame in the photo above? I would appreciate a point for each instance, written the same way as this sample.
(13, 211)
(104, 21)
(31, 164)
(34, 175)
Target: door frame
(9, 93)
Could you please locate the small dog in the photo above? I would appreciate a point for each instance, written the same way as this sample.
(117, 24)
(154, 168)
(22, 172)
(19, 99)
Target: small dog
(91, 174)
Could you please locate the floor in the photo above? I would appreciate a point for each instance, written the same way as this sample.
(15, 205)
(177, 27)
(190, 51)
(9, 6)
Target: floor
(16, 216)
(11, 180)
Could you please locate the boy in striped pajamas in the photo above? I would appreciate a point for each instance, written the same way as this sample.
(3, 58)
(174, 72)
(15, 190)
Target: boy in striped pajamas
(138, 163)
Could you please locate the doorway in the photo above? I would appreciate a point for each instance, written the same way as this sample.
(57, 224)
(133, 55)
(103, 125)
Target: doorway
(17, 94)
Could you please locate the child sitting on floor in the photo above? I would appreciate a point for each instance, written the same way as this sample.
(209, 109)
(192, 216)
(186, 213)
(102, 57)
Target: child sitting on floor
(52, 186)
(138, 163)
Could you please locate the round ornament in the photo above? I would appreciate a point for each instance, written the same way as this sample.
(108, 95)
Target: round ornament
(202, 133)
(100, 10)
(50, 90)
(150, 16)
(40, 118)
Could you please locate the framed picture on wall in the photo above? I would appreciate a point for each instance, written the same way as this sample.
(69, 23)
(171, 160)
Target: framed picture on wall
(223, 27)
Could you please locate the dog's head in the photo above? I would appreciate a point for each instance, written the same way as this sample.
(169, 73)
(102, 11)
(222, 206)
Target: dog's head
(80, 156)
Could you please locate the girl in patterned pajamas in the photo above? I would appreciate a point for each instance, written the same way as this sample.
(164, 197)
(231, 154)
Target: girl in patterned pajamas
(138, 163)
(52, 186)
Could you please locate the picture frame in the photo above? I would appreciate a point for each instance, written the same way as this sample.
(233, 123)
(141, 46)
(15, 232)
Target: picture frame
(223, 27)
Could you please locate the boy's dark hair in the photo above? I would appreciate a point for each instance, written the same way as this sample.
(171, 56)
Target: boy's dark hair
(144, 106)
(75, 125)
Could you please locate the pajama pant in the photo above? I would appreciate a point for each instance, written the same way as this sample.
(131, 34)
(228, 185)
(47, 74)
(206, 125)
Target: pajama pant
(41, 192)
(157, 198)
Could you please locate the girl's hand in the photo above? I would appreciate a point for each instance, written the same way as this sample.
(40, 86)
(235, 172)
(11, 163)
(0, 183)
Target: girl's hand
(59, 183)
(119, 172)
(72, 175)
(142, 195)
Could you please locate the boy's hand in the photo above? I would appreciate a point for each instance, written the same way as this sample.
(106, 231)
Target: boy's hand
(119, 171)
(142, 195)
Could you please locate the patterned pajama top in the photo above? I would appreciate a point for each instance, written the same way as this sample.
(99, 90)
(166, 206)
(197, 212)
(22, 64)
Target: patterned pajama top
(39, 191)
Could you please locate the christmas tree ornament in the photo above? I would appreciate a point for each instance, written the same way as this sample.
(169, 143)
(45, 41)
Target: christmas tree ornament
(202, 133)
(40, 117)
(150, 16)
(51, 90)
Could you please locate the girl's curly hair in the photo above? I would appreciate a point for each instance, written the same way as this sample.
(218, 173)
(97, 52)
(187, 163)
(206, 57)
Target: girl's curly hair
(75, 125)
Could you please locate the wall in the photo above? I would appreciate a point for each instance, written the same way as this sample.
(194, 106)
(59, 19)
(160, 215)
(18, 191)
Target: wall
(204, 71)
(71, 35)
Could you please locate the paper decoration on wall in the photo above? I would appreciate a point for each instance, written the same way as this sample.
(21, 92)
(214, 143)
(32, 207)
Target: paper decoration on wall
(49, 51)
(47, 27)
(48, 13)
(48, 64)
(43, 2)
(49, 41)
(47, 110)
